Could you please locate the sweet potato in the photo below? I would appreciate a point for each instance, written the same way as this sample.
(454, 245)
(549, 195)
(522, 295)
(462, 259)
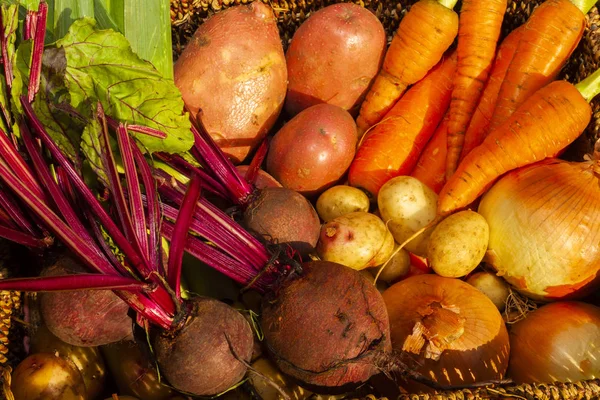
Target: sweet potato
(232, 76)
(313, 150)
(333, 58)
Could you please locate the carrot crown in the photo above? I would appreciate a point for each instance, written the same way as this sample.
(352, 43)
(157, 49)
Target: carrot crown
(451, 3)
(590, 86)
(584, 5)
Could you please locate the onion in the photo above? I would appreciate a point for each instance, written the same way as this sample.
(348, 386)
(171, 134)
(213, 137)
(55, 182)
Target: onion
(456, 330)
(559, 342)
(544, 224)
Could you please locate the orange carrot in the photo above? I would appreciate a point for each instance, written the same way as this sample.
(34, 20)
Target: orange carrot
(431, 166)
(478, 33)
(546, 122)
(424, 35)
(549, 36)
(393, 146)
(479, 124)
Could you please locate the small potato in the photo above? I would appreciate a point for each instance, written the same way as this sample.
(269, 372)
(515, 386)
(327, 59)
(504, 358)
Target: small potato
(340, 200)
(265, 390)
(333, 58)
(313, 150)
(357, 240)
(492, 286)
(45, 376)
(458, 243)
(397, 268)
(88, 360)
(408, 205)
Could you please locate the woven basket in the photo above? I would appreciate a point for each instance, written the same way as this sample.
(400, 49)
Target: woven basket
(187, 15)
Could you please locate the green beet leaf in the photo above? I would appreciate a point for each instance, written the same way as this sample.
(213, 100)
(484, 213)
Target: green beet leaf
(100, 66)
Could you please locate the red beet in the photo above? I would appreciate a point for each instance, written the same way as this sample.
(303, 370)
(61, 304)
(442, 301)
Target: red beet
(328, 328)
(284, 216)
(203, 357)
(84, 317)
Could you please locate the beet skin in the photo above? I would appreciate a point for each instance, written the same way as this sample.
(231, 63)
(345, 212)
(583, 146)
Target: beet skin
(284, 216)
(328, 328)
(84, 317)
(203, 356)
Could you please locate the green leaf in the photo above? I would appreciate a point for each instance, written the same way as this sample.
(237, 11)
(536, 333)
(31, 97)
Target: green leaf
(5, 104)
(62, 14)
(101, 66)
(91, 145)
(21, 64)
(151, 40)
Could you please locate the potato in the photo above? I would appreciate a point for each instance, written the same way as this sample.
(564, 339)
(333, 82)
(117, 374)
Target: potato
(408, 205)
(458, 243)
(133, 373)
(333, 58)
(340, 200)
(233, 71)
(45, 376)
(88, 360)
(357, 240)
(117, 397)
(264, 370)
(313, 150)
(397, 268)
(492, 286)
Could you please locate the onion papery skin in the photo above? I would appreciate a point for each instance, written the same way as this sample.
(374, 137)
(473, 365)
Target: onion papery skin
(544, 224)
(559, 342)
(477, 350)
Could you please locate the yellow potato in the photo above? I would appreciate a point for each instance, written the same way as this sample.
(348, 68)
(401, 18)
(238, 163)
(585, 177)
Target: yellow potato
(397, 268)
(407, 205)
(341, 200)
(45, 376)
(492, 286)
(357, 240)
(88, 360)
(458, 243)
(262, 371)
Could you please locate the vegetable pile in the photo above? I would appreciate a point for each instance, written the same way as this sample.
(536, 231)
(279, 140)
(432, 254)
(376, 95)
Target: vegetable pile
(342, 217)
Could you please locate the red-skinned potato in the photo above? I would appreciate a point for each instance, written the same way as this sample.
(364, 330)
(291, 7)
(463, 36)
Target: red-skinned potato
(313, 150)
(232, 76)
(263, 179)
(333, 58)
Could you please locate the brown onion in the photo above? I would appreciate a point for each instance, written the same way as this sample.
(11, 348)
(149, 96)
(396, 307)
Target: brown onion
(454, 330)
(544, 224)
(559, 342)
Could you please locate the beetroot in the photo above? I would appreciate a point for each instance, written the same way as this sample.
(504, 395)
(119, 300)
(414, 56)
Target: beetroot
(327, 328)
(86, 317)
(284, 216)
(203, 357)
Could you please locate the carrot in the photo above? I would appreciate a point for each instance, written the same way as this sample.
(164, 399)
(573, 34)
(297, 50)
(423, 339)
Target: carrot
(545, 123)
(549, 37)
(479, 124)
(393, 146)
(478, 33)
(431, 166)
(424, 35)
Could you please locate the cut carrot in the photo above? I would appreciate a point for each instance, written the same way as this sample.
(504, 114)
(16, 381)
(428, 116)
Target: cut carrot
(424, 35)
(546, 123)
(431, 166)
(549, 37)
(393, 146)
(479, 124)
(478, 33)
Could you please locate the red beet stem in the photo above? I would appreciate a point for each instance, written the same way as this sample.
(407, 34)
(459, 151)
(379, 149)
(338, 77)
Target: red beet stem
(38, 50)
(257, 160)
(180, 233)
(74, 282)
(23, 238)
